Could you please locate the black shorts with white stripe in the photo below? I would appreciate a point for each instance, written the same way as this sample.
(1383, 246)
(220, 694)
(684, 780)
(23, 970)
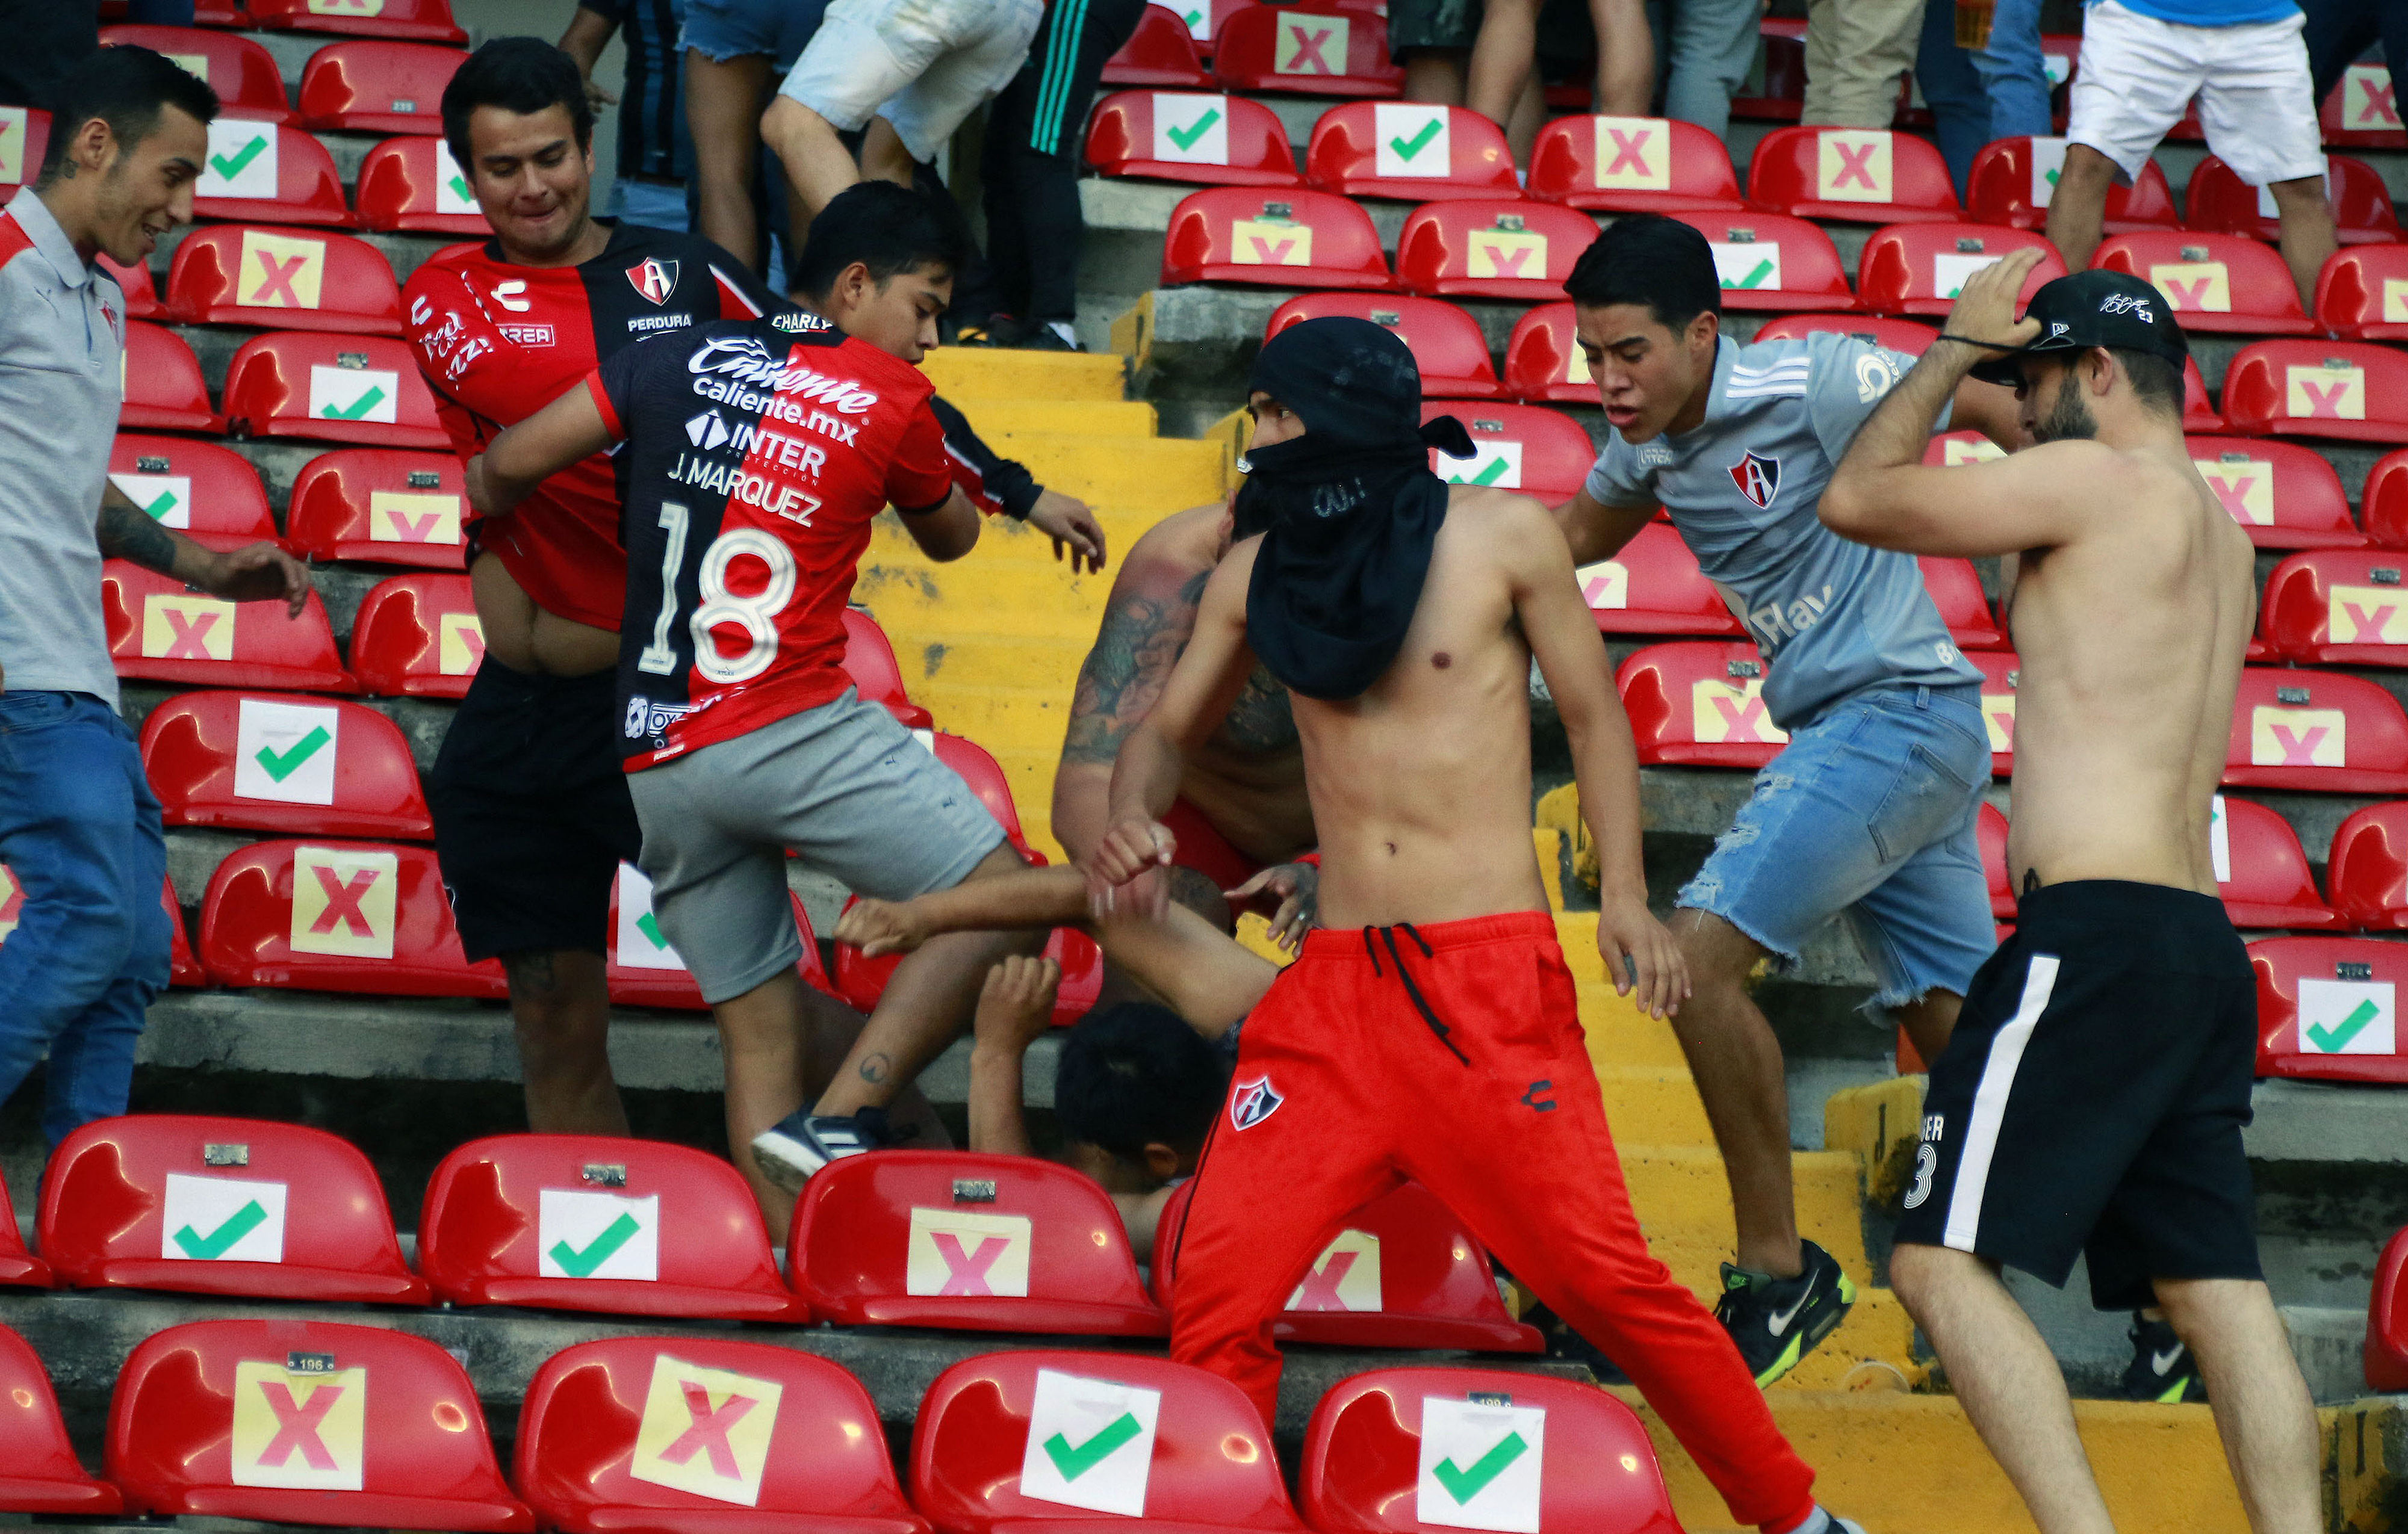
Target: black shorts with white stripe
(2091, 1099)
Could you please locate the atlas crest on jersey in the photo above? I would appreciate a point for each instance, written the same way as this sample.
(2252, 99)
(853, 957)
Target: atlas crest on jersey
(1252, 1101)
(655, 278)
(1758, 479)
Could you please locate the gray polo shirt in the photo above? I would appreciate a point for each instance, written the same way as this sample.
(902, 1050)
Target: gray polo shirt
(62, 380)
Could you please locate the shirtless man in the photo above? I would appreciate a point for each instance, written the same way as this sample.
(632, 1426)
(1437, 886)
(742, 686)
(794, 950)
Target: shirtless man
(2091, 1098)
(1429, 1029)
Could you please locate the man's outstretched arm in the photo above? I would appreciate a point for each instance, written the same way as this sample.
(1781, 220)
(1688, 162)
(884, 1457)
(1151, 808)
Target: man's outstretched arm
(569, 430)
(254, 573)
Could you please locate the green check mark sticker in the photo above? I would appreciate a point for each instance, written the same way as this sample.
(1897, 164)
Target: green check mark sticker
(1489, 474)
(230, 168)
(1193, 16)
(1408, 148)
(650, 926)
(1763, 270)
(2053, 176)
(1185, 137)
(358, 407)
(159, 508)
(241, 1222)
(578, 1264)
(1465, 1485)
(2336, 1038)
(284, 764)
(460, 188)
(1076, 1462)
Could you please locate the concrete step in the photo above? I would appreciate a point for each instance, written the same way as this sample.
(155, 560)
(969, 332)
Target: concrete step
(1066, 418)
(988, 373)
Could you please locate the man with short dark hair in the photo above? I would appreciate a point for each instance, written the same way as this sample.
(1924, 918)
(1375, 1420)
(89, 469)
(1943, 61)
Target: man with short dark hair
(80, 828)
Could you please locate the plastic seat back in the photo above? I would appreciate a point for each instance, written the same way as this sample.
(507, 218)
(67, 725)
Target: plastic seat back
(414, 185)
(250, 275)
(1446, 343)
(2385, 501)
(2348, 389)
(1491, 248)
(141, 293)
(2315, 730)
(1775, 87)
(999, 1443)
(17, 1266)
(2367, 869)
(1652, 585)
(1402, 1272)
(183, 972)
(418, 637)
(378, 87)
(1543, 362)
(2262, 871)
(644, 970)
(2013, 179)
(2218, 200)
(230, 1206)
(160, 631)
(2362, 293)
(1412, 151)
(1160, 53)
(25, 138)
(38, 1469)
(1280, 238)
(2198, 414)
(2215, 283)
(2001, 675)
(338, 916)
(1862, 175)
(306, 1422)
(1907, 335)
(2283, 494)
(1769, 261)
(2327, 1008)
(676, 1432)
(869, 661)
(1321, 51)
(163, 389)
(2363, 110)
(967, 1242)
(1518, 446)
(422, 20)
(1957, 591)
(2338, 607)
(279, 761)
(1206, 139)
(242, 73)
(1633, 164)
(209, 493)
(2386, 1318)
(383, 505)
(591, 1223)
(357, 388)
(1401, 1451)
(1919, 268)
(1990, 831)
(268, 173)
(1698, 704)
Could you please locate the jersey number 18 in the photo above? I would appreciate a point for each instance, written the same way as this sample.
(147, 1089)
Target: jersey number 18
(756, 614)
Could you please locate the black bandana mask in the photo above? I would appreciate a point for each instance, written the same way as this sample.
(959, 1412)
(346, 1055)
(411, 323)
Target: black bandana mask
(1348, 511)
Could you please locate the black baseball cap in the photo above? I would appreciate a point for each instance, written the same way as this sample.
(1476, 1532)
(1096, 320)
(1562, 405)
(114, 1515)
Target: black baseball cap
(2094, 308)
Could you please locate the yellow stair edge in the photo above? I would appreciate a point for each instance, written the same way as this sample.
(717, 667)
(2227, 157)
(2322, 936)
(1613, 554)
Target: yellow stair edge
(1071, 418)
(2366, 1465)
(1881, 1124)
(966, 372)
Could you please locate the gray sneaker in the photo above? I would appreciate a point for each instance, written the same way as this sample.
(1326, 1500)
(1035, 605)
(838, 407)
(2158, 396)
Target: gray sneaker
(803, 1142)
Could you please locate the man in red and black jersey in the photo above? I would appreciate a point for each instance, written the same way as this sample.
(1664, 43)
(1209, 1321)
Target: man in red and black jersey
(756, 454)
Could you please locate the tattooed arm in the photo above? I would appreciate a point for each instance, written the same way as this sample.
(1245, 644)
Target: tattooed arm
(256, 573)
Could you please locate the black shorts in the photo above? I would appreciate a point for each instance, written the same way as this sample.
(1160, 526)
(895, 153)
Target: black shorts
(2092, 1097)
(532, 816)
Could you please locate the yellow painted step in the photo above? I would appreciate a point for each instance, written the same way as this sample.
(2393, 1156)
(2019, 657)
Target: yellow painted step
(1621, 1034)
(990, 418)
(1653, 1105)
(1880, 1124)
(1003, 542)
(1151, 473)
(1683, 1197)
(988, 660)
(962, 374)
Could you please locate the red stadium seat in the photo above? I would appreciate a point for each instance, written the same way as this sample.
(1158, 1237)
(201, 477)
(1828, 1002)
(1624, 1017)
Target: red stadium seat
(1445, 342)
(2284, 495)
(227, 1206)
(1951, 449)
(2219, 201)
(1521, 448)
(356, 389)
(1160, 53)
(25, 138)
(2002, 674)
(246, 274)
(268, 173)
(377, 87)
(2328, 1009)
(1327, 50)
(2013, 179)
(418, 637)
(705, 1433)
(1768, 260)
(1698, 704)
(1918, 268)
(1990, 831)
(415, 186)
(423, 20)
(859, 982)
(183, 970)
(2363, 112)
(18, 1268)
(1404, 1272)
(306, 1422)
(1775, 89)
(2317, 731)
(161, 632)
(1280, 238)
(581, 1222)
(869, 661)
(1652, 585)
(2261, 872)
(1166, 1443)
(1208, 140)
(1862, 175)
(643, 970)
(219, 13)
(209, 493)
(38, 1469)
(2212, 282)
(1491, 248)
(2362, 293)
(280, 761)
(967, 1242)
(2386, 501)
(2368, 871)
(1907, 335)
(382, 505)
(338, 916)
(1633, 164)
(1403, 1451)
(1414, 151)
(2338, 607)
(2198, 414)
(141, 293)
(164, 392)
(2319, 388)
(241, 72)
(1543, 362)
(2386, 1319)
(1957, 591)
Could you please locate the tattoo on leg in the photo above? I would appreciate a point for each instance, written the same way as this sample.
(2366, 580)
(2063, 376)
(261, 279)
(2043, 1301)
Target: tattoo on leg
(530, 974)
(875, 1069)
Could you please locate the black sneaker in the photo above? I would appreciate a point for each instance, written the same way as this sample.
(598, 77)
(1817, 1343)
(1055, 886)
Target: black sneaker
(803, 1142)
(981, 333)
(1776, 1321)
(2162, 1369)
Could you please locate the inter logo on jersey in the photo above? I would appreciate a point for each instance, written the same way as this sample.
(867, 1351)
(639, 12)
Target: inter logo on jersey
(1252, 1101)
(655, 278)
(1758, 479)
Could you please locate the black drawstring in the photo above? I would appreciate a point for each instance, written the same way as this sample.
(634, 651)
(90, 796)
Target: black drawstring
(1414, 993)
(1374, 953)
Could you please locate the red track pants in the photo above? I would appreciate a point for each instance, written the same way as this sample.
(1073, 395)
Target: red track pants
(1452, 1054)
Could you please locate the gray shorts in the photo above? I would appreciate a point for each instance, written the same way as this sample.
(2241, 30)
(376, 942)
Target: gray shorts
(844, 785)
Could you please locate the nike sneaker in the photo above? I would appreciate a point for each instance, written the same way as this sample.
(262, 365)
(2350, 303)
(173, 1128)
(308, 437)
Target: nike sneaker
(1776, 1321)
(2162, 1369)
(802, 1143)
